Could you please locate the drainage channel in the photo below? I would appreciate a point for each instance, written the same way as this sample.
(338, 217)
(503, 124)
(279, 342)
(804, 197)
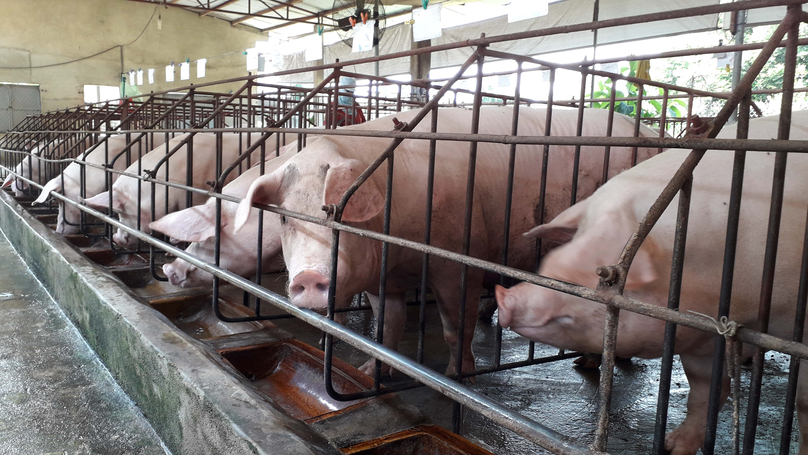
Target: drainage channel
(284, 368)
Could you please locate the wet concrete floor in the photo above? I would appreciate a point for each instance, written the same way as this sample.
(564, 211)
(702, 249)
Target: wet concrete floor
(562, 396)
(56, 397)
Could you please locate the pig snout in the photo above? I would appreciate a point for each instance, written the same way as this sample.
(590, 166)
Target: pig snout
(503, 306)
(125, 240)
(171, 273)
(309, 289)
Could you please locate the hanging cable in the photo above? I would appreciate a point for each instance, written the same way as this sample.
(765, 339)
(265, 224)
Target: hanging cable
(89, 56)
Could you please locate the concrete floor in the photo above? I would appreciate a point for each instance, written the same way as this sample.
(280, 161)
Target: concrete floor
(55, 395)
(561, 396)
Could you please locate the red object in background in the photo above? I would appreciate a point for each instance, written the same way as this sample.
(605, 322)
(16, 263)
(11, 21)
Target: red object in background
(345, 118)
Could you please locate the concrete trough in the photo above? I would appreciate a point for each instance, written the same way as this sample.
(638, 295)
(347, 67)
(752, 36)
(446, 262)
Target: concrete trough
(197, 403)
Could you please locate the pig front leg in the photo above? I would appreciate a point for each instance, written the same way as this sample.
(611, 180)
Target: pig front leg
(395, 307)
(688, 437)
(447, 292)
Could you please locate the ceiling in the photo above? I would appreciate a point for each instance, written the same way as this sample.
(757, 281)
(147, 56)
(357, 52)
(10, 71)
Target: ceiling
(277, 15)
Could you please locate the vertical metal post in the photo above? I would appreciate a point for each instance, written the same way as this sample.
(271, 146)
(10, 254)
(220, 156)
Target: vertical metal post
(430, 185)
(509, 201)
(773, 236)
(457, 418)
(677, 267)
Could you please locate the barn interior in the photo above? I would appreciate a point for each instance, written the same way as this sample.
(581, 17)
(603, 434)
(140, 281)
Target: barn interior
(152, 298)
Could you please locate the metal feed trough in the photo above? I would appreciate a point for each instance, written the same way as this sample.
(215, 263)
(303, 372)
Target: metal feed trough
(64, 135)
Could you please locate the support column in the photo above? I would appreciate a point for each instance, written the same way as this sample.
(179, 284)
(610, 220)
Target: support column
(419, 69)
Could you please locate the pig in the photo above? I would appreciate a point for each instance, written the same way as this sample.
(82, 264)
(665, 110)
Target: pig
(136, 213)
(323, 171)
(594, 232)
(237, 253)
(29, 168)
(94, 179)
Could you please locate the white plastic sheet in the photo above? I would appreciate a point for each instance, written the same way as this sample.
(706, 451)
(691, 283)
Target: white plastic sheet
(132, 78)
(571, 12)
(521, 10)
(170, 73)
(363, 36)
(185, 71)
(139, 77)
(426, 23)
(151, 75)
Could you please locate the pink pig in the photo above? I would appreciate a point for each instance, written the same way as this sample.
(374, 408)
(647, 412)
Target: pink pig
(595, 231)
(94, 179)
(136, 212)
(322, 172)
(238, 253)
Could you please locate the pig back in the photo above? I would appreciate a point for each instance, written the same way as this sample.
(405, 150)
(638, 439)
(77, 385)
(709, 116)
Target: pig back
(491, 176)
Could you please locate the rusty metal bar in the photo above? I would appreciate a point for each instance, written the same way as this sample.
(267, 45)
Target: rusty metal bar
(772, 239)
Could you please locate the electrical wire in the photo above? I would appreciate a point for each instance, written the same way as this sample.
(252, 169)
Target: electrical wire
(89, 56)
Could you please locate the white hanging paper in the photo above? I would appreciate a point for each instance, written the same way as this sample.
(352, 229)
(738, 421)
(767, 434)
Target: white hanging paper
(314, 47)
(426, 23)
(724, 60)
(170, 73)
(185, 71)
(132, 78)
(139, 77)
(151, 75)
(252, 59)
(200, 67)
(363, 36)
(520, 10)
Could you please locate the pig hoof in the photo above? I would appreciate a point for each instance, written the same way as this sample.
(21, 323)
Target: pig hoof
(469, 366)
(588, 361)
(369, 368)
(683, 442)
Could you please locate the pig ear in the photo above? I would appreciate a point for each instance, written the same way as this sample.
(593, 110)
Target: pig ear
(8, 180)
(365, 203)
(100, 201)
(263, 191)
(642, 271)
(194, 224)
(563, 227)
(52, 185)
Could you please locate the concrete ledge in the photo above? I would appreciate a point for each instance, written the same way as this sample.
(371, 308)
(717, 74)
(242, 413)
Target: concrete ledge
(196, 403)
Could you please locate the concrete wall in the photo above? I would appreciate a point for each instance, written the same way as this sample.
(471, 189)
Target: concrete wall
(44, 32)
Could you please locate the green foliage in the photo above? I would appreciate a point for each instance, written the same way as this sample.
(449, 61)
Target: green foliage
(771, 76)
(651, 108)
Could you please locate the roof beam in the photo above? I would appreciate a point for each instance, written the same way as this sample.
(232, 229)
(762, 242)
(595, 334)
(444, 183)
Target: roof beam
(218, 7)
(262, 12)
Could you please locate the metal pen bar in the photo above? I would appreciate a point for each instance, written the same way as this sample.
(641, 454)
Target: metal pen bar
(674, 292)
(430, 188)
(457, 414)
(772, 238)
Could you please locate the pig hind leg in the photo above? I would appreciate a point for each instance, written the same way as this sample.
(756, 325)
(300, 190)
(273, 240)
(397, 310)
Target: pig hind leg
(688, 437)
(395, 314)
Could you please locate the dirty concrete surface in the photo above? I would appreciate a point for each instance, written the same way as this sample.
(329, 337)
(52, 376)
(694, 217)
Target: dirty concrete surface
(55, 395)
(562, 396)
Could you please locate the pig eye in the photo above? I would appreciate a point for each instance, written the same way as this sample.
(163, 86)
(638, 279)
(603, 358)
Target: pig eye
(283, 219)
